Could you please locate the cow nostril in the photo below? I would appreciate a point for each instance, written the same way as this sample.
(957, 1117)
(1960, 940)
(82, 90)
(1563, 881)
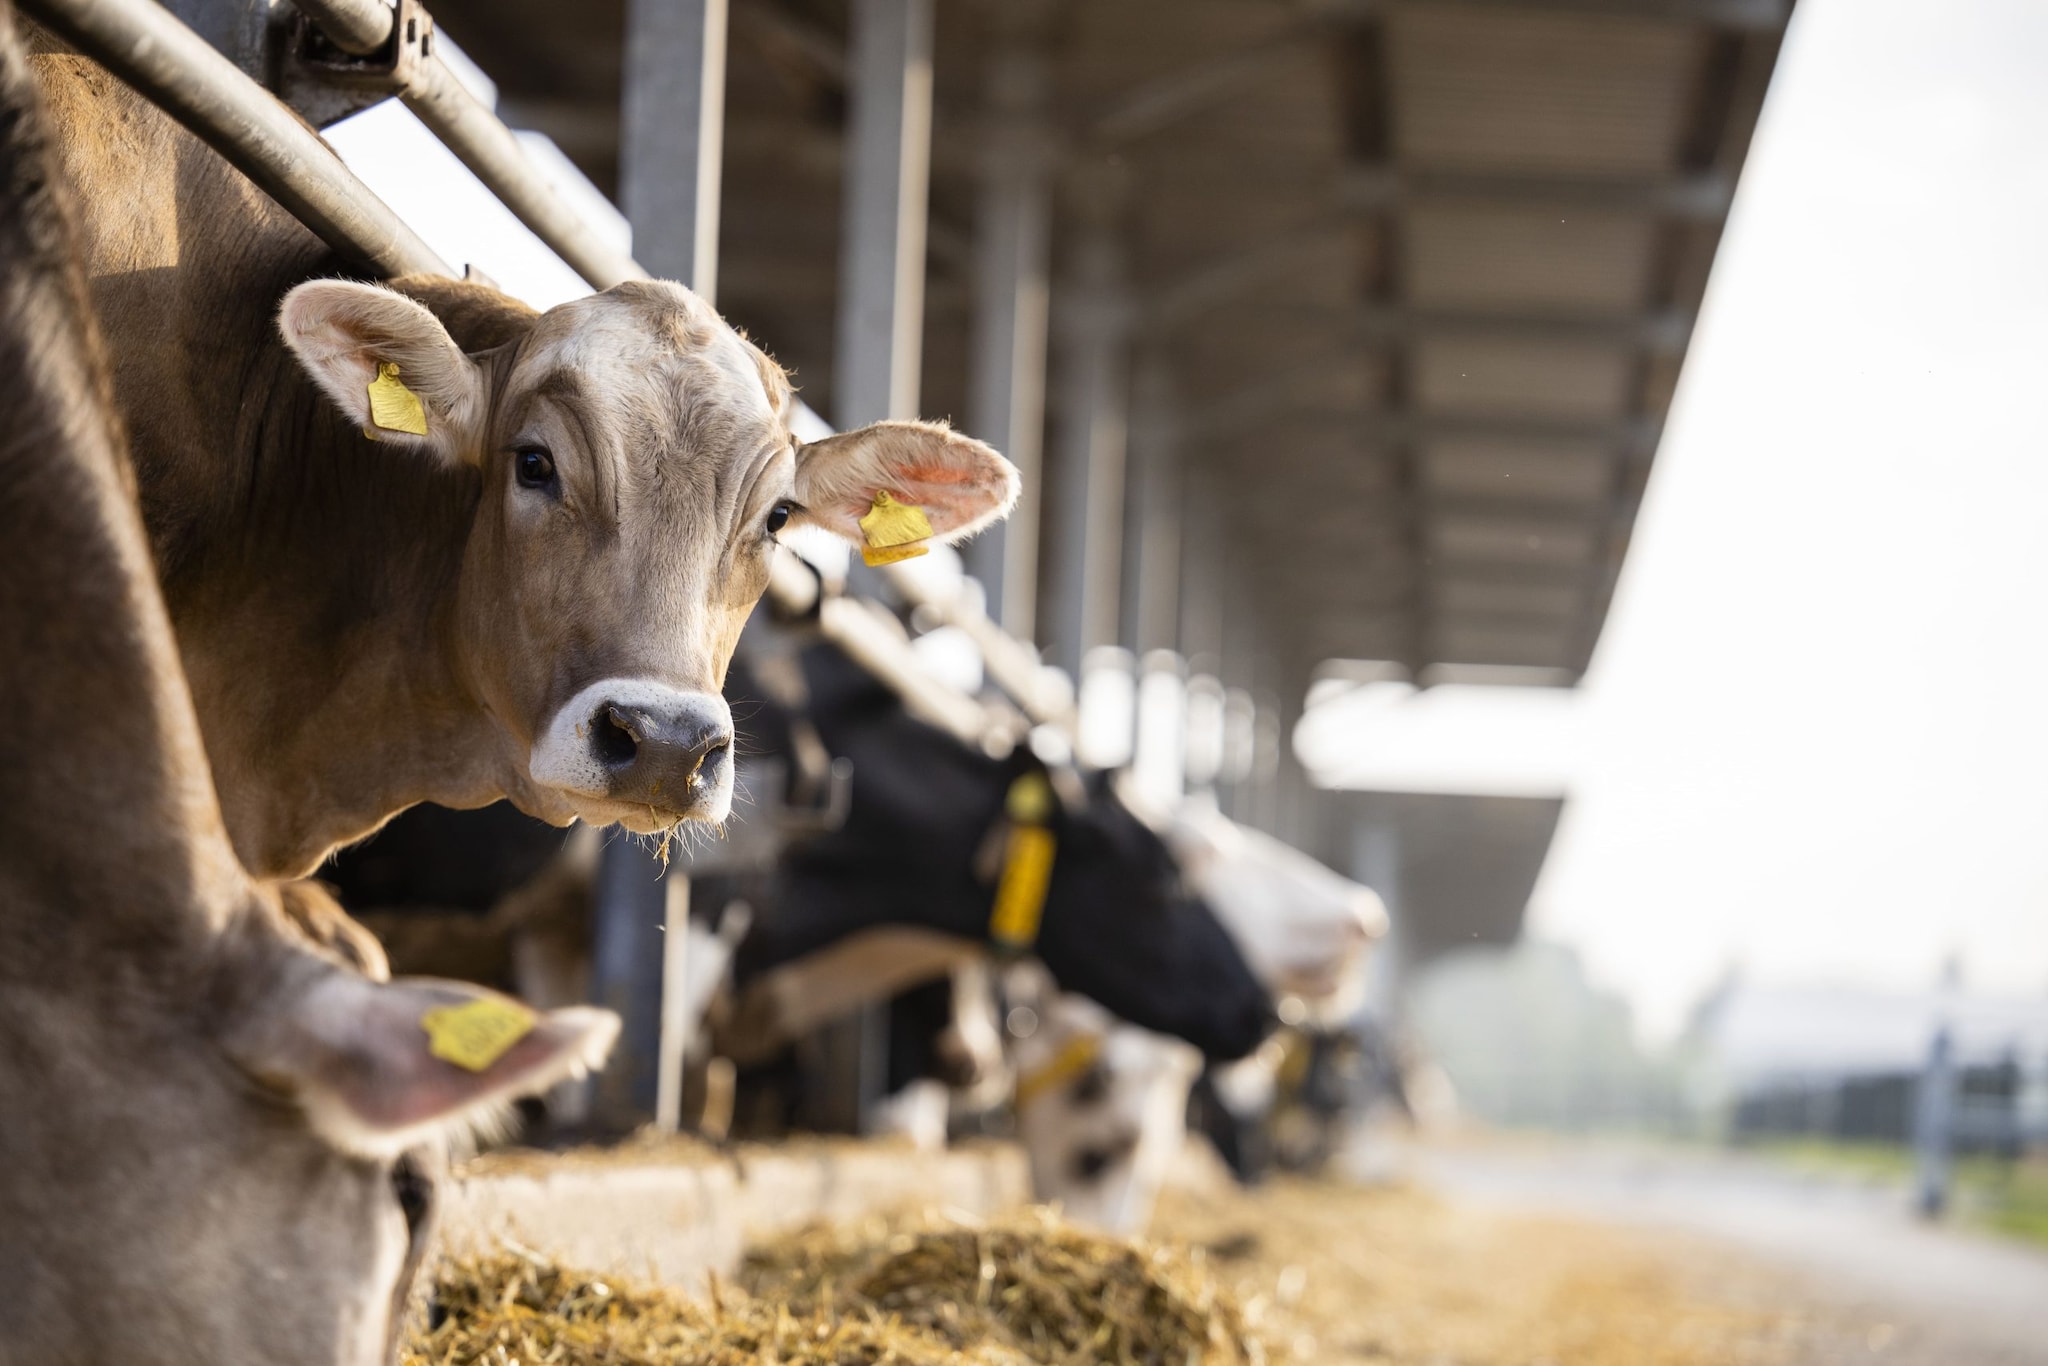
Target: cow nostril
(711, 747)
(613, 737)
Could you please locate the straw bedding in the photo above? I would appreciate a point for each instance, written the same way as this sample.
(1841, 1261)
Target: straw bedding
(1029, 1290)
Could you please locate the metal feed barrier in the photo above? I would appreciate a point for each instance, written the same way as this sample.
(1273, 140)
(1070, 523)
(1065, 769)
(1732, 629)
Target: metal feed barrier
(373, 49)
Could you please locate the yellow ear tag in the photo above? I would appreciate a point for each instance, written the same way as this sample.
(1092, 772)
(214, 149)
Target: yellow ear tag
(476, 1033)
(1028, 854)
(894, 531)
(1029, 799)
(394, 407)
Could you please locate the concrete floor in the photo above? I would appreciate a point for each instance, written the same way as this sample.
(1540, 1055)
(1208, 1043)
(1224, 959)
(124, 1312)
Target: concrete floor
(1930, 1295)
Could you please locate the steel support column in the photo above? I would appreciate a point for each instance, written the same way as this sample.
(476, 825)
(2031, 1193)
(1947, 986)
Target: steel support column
(626, 961)
(672, 136)
(1087, 525)
(882, 239)
(1006, 404)
(1152, 561)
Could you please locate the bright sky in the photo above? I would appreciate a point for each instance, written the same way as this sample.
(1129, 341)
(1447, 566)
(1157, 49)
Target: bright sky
(1815, 737)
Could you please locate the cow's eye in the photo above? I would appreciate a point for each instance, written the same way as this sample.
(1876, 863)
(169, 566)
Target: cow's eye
(778, 518)
(535, 467)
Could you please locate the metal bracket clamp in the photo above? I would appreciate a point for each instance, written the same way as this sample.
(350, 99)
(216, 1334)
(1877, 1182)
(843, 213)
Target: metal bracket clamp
(326, 83)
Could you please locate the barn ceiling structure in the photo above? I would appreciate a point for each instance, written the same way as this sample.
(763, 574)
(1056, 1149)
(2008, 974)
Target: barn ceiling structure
(1364, 315)
(1419, 275)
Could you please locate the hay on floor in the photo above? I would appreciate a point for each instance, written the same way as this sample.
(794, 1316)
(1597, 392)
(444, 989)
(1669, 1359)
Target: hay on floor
(1025, 1291)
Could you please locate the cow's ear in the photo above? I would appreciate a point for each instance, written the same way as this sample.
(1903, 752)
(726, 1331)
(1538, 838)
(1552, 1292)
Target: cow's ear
(388, 364)
(379, 1067)
(956, 483)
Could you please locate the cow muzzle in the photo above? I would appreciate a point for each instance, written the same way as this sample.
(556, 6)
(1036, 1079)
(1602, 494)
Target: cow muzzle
(639, 753)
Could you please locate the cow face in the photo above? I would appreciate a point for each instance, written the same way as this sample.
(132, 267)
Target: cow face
(635, 464)
(237, 1163)
(1122, 928)
(1306, 930)
(922, 844)
(1101, 1111)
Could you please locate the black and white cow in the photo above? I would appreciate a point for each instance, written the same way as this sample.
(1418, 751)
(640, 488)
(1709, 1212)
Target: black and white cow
(915, 865)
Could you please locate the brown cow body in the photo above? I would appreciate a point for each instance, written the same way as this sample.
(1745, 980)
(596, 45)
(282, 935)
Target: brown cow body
(199, 1157)
(370, 624)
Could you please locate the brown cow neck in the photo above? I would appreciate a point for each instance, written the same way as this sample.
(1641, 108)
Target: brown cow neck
(114, 870)
(317, 624)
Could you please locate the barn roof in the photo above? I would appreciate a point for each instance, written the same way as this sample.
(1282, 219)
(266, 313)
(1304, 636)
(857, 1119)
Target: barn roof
(1422, 272)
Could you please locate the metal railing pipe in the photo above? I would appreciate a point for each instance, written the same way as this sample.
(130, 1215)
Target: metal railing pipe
(477, 136)
(146, 46)
(875, 641)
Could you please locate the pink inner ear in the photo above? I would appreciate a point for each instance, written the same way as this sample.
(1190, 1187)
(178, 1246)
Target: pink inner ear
(419, 1089)
(937, 474)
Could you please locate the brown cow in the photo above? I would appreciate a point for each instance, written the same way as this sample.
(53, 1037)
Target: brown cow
(537, 599)
(199, 1116)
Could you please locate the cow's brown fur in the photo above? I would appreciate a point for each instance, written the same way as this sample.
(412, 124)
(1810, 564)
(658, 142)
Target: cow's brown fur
(198, 1113)
(366, 624)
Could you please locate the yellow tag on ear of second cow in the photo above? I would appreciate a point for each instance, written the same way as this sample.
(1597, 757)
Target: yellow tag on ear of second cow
(894, 531)
(394, 407)
(476, 1033)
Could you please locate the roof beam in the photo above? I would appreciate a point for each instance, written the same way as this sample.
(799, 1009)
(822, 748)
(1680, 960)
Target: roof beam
(1154, 106)
(1276, 403)
(1748, 15)
(1663, 332)
(1375, 189)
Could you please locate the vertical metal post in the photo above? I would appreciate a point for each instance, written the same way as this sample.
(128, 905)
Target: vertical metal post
(625, 975)
(1205, 549)
(1088, 524)
(672, 137)
(1376, 861)
(1934, 1115)
(1006, 401)
(882, 238)
(676, 1022)
(1152, 564)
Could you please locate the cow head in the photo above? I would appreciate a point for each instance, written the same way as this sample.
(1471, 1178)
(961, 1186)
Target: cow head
(635, 465)
(1123, 928)
(1306, 930)
(235, 1146)
(923, 844)
(1101, 1111)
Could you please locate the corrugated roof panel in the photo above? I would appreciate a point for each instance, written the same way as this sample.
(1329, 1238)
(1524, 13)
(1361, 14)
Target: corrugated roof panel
(1518, 378)
(1530, 259)
(1537, 646)
(1496, 597)
(1490, 88)
(1512, 540)
(1518, 469)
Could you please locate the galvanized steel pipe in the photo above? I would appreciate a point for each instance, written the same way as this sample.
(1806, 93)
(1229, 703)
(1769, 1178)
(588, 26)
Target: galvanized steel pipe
(478, 137)
(146, 46)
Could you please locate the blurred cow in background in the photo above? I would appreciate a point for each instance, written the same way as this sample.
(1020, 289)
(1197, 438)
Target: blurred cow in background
(1309, 933)
(1102, 1107)
(922, 851)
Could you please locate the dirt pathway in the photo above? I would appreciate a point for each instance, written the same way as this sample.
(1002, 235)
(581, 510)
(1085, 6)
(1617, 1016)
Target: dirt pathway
(1952, 1297)
(1382, 1276)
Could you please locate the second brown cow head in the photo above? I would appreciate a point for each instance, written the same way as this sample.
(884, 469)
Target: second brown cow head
(636, 463)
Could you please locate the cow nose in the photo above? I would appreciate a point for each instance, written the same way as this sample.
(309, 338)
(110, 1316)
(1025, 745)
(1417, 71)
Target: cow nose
(659, 755)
